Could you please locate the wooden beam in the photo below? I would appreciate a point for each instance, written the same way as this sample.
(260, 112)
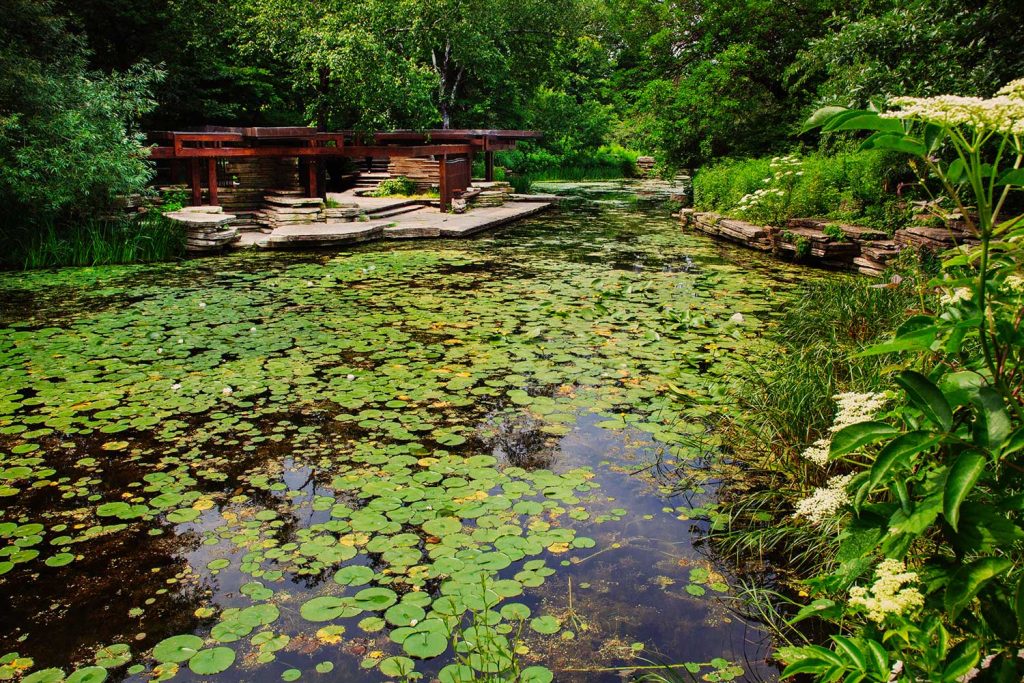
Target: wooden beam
(211, 179)
(288, 151)
(489, 166)
(195, 183)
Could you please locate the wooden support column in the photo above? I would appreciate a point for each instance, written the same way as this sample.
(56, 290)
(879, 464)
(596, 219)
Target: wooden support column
(195, 182)
(312, 174)
(211, 180)
(489, 166)
(442, 172)
(312, 171)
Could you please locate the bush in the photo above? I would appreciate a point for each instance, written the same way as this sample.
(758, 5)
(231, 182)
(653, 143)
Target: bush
(607, 161)
(68, 146)
(857, 187)
(399, 186)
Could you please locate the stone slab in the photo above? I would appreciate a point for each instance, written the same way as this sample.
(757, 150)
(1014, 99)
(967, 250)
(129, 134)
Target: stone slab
(324, 234)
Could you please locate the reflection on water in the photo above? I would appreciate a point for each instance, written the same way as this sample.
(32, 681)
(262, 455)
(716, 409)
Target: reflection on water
(183, 442)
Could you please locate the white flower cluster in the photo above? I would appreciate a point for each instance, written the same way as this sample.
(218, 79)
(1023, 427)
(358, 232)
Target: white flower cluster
(749, 201)
(1015, 283)
(1003, 113)
(956, 296)
(853, 407)
(889, 594)
(826, 501)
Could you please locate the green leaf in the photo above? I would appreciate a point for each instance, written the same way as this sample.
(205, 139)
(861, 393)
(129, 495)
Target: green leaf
(90, 674)
(991, 423)
(545, 624)
(961, 659)
(1011, 176)
(1014, 443)
(849, 439)
(895, 142)
(850, 649)
(970, 579)
(821, 118)
(177, 649)
(899, 451)
(955, 171)
(212, 661)
(960, 387)
(917, 341)
(867, 121)
(959, 481)
(927, 397)
(1018, 602)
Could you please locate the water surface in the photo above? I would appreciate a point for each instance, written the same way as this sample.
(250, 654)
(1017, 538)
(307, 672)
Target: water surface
(531, 418)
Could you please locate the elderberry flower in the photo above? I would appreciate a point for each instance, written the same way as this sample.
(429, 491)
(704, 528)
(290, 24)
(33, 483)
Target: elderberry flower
(956, 296)
(856, 407)
(1015, 283)
(817, 452)
(1003, 113)
(853, 408)
(890, 594)
(826, 501)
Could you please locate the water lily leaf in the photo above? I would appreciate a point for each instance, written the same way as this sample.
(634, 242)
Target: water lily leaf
(546, 624)
(398, 667)
(177, 648)
(212, 661)
(375, 599)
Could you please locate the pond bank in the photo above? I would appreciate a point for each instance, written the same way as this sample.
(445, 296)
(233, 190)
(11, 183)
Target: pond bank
(827, 243)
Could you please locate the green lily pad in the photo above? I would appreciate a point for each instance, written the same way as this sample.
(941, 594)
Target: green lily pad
(177, 649)
(212, 661)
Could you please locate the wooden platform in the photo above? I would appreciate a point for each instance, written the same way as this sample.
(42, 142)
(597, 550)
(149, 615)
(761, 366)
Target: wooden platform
(421, 223)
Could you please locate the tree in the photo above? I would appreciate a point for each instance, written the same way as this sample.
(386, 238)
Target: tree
(68, 142)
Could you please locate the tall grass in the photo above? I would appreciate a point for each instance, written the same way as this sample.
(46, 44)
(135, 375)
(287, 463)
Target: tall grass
(787, 403)
(96, 241)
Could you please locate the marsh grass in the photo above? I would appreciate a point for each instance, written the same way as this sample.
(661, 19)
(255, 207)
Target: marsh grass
(96, 241)
(788, 403)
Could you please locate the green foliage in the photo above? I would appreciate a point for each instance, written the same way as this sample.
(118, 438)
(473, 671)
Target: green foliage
(850, 186)
(934, 487)
(97, 241)
(607, 161)
(399, 186)
(921, 47)
(836, 232)
(67, 140)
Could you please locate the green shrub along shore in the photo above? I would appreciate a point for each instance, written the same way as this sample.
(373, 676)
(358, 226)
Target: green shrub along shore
(854, 186)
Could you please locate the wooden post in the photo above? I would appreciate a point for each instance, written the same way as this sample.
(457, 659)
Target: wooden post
(312, 174)
(211, 179)
(442, 172)
(311, 178)
(489, 166)
(195, 182)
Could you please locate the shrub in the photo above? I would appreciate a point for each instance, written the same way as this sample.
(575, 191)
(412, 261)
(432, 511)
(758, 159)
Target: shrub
(849, 186)
(399, 186)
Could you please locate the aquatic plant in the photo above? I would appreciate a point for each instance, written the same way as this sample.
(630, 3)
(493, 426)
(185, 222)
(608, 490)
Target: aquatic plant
(306, 438)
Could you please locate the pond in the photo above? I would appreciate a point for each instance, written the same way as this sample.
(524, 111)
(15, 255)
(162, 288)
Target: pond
(410, 458)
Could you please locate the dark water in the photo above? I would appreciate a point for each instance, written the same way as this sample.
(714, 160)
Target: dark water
(256, 409)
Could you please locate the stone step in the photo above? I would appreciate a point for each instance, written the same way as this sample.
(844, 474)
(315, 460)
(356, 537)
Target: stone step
(397, 211)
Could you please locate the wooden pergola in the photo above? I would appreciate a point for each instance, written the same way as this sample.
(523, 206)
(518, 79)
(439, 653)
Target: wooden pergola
(454, 150)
